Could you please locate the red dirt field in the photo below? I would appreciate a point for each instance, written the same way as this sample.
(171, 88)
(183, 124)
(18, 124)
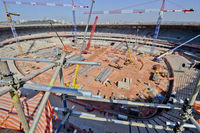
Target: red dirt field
(106, 55)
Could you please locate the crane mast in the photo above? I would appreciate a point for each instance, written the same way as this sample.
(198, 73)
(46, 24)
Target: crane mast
(157, 28)
(74, 21)
(14, 32)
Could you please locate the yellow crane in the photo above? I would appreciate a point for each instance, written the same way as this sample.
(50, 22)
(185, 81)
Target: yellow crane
(13, 28)
(74, 83)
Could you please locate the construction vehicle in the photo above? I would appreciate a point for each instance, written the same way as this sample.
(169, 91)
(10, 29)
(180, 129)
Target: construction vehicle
(115, 64)
(129, 60)
(155, 76)
(13, 27)
(74, 84)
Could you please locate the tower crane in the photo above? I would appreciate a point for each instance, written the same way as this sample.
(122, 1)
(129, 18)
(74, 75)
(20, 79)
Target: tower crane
(14, 32)
(52, 5)
(86, 28)
(74, 21)
(157, 27)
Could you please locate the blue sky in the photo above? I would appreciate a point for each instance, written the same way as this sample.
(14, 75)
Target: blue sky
(65, 13)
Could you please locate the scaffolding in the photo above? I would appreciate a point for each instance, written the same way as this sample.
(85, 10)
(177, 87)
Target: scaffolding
(11, 84)
(13, 87)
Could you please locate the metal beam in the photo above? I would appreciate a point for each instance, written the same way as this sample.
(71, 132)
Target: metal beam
(87, 95)
(14, 96)
(28, 59)
(55, 89)
(154, 105)
(94, 117)
(84, 63)
(86, 28)
(46, 96)
(50, 61)
(5, 90)
(63, 122)
(74, 112)
(172, 50)
(195, 123)
(36, 73)
(186, 125)
(158, 127)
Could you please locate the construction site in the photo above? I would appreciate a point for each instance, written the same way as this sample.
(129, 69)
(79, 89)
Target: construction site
(99, 78)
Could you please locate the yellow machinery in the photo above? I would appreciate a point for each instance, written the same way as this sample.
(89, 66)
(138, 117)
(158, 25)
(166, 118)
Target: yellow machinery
(156, 76)
(74, 84)
(13, 28)
(129, 60)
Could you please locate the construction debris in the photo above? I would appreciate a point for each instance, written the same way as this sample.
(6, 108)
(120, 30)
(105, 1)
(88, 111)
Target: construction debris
(104, 74)
(107, 82)
(124, 84)
(139, 80)
(147, 83)
(115, 64)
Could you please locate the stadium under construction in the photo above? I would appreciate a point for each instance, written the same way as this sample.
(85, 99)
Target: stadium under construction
(101, 78)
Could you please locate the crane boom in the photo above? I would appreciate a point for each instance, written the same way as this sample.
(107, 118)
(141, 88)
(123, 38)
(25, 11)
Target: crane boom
(139, 11)
(91, 34)
(14, 32)
(43, 4)
(86, 28)
(172, 50)
(59, 38)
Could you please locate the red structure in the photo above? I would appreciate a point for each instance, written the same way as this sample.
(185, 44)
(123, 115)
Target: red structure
(91, 35)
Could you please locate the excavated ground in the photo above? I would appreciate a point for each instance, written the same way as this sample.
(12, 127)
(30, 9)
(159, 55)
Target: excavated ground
(140, 74)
